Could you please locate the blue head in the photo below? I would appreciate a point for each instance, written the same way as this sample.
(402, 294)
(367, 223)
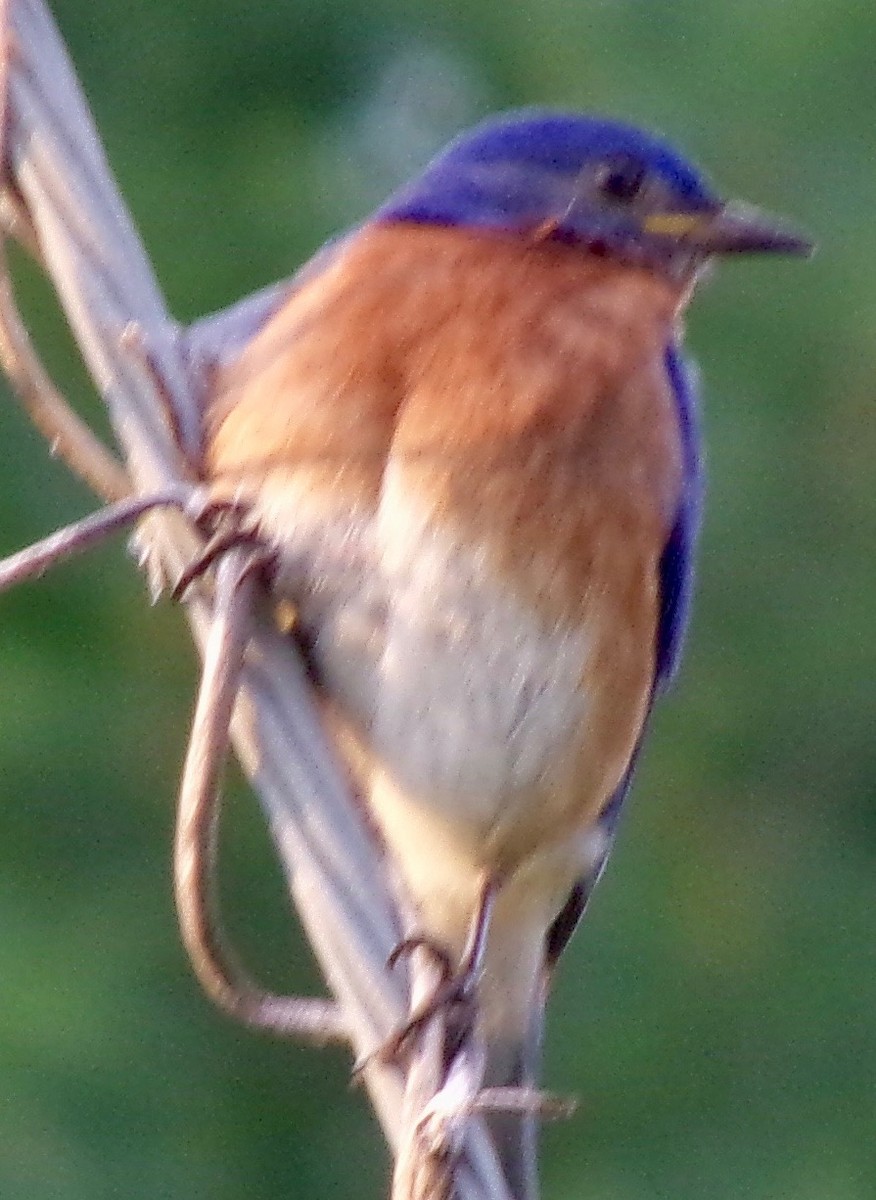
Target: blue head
(605, 186)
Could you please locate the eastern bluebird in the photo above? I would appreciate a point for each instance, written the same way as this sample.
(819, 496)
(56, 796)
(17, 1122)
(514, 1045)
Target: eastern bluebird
(470, 436)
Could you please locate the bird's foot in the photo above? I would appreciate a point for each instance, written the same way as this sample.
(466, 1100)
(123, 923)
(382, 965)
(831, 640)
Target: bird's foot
(453, 994)
(228, 527)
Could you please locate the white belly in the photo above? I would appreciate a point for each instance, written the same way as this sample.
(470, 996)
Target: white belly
(462, 693)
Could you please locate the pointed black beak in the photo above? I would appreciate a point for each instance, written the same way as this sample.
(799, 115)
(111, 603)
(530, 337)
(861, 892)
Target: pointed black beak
(728, 229)
(741, 229)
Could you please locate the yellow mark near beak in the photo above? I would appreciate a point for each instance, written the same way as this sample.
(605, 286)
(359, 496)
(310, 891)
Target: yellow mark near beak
(675, 224)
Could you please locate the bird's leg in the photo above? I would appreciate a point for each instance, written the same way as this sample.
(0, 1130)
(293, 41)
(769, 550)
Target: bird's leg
(457, 989)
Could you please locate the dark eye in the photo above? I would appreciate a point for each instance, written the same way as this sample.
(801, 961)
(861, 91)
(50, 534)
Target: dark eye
(622, 178)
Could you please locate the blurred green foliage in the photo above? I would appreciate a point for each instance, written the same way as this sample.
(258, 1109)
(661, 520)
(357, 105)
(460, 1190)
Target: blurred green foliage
(718, 1013)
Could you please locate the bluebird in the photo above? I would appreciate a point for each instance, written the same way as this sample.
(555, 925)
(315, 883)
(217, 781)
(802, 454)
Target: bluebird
(470, 437)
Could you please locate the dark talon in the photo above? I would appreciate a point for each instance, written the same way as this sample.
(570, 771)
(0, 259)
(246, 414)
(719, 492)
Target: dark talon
(438, 954)
(453, 990)
(208, 512)
(446, 991)
(218, 545)
(225, 523)
(457, 986)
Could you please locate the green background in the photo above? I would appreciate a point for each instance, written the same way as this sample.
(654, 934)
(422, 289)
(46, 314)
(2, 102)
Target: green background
(717, 1015)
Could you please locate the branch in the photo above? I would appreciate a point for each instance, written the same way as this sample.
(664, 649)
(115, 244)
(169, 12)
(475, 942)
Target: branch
(317, 1021)
(67, 434)
(82, 535)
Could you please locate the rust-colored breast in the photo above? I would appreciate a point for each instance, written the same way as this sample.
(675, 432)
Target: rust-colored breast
(520, 388)
(460, 351)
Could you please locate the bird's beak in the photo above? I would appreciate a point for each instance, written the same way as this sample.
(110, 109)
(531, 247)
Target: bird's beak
(730, 229)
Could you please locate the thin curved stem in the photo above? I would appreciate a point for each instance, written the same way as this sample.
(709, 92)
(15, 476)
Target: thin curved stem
(38, 558)
(314, 1020)
(68, 436)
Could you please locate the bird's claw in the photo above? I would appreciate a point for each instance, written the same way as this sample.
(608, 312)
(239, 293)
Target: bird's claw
(439, 956)
(208, 511)
(220, 542)
(453, 991)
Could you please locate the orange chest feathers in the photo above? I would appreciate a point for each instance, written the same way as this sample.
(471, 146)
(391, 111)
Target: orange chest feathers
(516, 393)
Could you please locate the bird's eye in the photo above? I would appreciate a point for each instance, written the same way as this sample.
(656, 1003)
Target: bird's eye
(622, 178)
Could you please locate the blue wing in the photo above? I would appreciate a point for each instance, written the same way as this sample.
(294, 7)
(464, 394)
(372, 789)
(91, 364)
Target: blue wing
(676, 562)
(676, 586)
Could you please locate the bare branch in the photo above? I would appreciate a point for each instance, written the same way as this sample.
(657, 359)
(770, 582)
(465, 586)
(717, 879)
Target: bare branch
(83, 535)
(55, 164)
(318, 1021)
(67, 434)
(424, 1171)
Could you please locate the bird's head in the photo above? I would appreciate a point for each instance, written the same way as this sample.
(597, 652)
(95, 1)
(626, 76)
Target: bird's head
(607, 187)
